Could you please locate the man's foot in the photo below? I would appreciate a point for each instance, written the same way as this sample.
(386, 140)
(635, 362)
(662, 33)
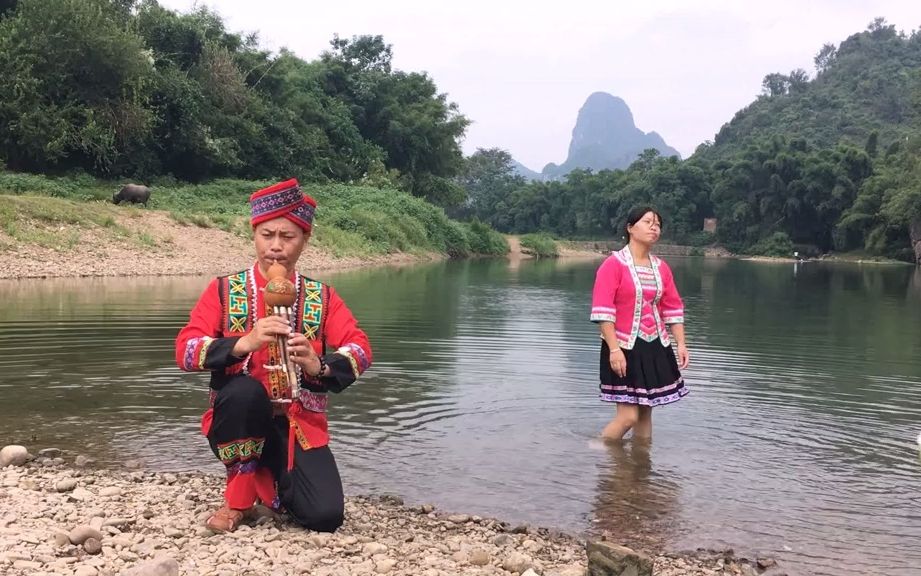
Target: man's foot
(225, 519)
(260, 514)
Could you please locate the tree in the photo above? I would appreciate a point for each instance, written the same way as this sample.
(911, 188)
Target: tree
(75, 86)
(775, 84)
(825, 57)
(402, 113)
(797, 81)
(488, 177)
(362, 53)
(879, 26)
(872, 145)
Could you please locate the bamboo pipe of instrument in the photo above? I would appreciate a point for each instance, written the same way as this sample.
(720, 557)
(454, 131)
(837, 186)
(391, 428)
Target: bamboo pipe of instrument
(280, 295)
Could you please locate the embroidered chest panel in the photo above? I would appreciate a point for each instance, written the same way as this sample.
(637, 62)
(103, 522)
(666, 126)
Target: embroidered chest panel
(239, 305)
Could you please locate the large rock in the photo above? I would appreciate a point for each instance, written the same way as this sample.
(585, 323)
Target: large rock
(606, 559)
(13, 455)
(159, 566)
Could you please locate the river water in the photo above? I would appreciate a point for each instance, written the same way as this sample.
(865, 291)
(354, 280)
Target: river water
(798, 440)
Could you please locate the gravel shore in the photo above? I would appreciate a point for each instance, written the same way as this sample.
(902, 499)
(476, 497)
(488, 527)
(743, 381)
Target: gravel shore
(60, 517)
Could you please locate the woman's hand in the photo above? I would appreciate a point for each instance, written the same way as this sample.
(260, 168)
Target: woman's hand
(618, 362)
(684, 357)
(302, 353)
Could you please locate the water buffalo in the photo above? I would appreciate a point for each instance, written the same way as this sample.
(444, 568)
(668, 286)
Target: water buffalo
(135, 193)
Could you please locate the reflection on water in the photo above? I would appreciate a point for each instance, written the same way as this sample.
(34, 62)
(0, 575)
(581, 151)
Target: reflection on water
(635, 502)
(797, 440)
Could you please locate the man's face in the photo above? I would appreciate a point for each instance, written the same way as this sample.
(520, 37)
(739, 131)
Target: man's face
(279, 240)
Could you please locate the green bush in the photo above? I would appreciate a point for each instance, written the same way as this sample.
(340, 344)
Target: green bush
(539, 244)
(484, 240)
(777, 244)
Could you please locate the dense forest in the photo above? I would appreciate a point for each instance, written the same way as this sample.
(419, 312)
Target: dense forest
(829, 163)
(119, 89)
(127, 88)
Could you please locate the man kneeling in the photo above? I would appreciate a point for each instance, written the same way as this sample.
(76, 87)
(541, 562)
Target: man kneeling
(274, 446)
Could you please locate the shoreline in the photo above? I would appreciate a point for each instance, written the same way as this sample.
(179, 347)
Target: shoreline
(151, 243)
(137, 520)
(156, 246)
(603, 248)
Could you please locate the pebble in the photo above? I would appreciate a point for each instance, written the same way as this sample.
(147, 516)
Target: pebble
(501, 540)
(478, 557)
(80, 534)
(92, 546)
(83, 461)
(81, 494)
(65, 485)
(61, 539)
(372, 548)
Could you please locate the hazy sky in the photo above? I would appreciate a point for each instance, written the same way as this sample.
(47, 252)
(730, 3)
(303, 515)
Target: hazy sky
(521, 70)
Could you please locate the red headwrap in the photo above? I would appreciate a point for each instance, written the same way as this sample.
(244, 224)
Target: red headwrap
(284, 199)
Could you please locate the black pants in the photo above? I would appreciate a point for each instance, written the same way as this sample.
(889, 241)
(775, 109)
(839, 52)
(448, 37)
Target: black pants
(312, 491)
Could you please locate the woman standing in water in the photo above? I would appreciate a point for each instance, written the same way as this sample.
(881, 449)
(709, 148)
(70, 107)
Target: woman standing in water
(633, 301)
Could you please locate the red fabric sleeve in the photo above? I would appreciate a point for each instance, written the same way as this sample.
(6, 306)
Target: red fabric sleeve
(352, 350)
(199, 346)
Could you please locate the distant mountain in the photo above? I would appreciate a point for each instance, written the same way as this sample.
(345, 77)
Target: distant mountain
(606, 138)
(525, 172)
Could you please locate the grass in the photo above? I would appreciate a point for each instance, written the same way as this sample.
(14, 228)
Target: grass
(351, 220)
(540, 245)
(57, 223)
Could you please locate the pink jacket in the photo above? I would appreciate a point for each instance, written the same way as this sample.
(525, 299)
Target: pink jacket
(616, 298)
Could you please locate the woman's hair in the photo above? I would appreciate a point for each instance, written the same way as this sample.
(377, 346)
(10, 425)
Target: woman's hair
(636, 214)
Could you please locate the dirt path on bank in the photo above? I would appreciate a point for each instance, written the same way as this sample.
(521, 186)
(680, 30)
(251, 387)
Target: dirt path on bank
(566, 250)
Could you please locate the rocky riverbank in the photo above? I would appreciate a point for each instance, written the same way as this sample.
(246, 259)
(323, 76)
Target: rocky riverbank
(66, 518)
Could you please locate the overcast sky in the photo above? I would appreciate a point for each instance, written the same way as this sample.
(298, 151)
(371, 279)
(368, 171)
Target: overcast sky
(521, 70)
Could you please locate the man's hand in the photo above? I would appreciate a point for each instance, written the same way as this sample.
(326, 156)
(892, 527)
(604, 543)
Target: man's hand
(264, 332)
(302, 353)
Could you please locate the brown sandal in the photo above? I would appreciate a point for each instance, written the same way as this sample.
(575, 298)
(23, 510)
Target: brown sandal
(225, 519)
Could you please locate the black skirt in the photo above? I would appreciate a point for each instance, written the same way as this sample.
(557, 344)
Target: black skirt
(652, 379)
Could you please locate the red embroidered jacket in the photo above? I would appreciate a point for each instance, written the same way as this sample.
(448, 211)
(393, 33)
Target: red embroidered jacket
(227, 310)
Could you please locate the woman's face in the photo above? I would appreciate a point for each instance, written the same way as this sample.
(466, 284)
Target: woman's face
(647, 229)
